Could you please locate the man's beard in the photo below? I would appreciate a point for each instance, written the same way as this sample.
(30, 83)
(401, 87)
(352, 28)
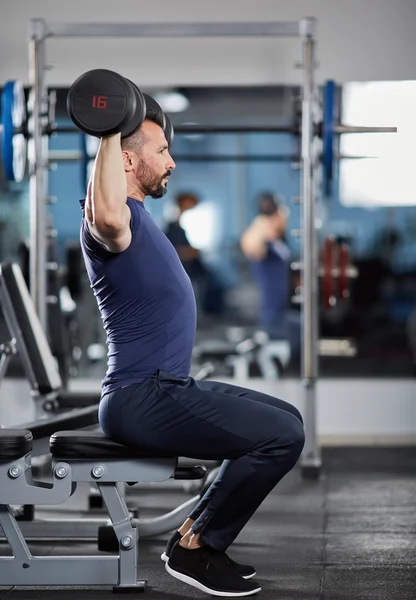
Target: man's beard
(151, 183)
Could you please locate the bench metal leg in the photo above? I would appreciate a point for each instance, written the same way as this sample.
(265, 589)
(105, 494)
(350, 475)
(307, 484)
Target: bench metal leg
(120, 571)
(127, 535)
(14, 536)
(25, 569)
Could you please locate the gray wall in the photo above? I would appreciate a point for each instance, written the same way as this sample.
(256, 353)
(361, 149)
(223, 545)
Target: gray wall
(358, 40)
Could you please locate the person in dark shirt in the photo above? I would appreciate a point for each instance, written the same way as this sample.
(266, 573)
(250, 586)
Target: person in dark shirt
(264, 244)
(177, 236)
(207, 286)
(149, 400)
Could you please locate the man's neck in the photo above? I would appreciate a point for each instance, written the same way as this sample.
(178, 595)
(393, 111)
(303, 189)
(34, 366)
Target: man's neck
(135, 193)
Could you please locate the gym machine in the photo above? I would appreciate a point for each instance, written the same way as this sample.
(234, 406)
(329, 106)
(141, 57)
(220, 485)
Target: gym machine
(315, 160)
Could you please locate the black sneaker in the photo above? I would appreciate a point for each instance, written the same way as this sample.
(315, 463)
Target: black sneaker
(246, 571)
(209, 572)
(175, 537)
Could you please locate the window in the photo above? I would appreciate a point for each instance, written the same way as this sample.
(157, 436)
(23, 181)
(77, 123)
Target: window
(202, 225)
(387, 179)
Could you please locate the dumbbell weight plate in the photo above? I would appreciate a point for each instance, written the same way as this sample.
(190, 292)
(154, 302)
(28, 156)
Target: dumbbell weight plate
(101, 102)
(13, 141)
(156, 114)
(169, 131)
(154, 111)
(137, 115)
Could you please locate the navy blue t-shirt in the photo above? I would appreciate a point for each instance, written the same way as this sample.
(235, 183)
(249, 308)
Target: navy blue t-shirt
(146, 301)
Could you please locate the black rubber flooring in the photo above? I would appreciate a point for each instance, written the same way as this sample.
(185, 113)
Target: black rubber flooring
(349, 536)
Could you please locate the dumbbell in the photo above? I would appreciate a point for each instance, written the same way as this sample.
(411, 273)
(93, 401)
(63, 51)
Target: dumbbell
(101, 103)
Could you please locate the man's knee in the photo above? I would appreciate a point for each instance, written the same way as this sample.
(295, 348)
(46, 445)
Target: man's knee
(297, 414)
(294, 435)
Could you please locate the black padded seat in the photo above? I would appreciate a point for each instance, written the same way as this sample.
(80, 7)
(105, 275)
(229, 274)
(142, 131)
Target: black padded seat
(94, 444)
(14, 443)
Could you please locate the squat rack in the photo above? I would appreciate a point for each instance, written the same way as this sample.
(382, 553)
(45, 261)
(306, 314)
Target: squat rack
(305, 29)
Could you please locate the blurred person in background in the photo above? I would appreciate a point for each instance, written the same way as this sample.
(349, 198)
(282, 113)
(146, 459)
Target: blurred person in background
(263, 243)
(208, 289)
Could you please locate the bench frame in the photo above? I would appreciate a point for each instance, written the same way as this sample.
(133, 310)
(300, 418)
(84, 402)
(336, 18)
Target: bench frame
(18, 486)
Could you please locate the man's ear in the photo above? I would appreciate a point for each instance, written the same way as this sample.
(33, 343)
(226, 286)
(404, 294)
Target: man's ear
(127, 161)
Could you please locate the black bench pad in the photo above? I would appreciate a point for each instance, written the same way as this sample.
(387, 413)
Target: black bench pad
(94, 444)
(14, 443)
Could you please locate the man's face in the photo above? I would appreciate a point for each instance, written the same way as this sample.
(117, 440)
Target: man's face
(153, 165)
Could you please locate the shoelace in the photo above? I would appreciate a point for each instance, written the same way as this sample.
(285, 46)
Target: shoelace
(219, 560)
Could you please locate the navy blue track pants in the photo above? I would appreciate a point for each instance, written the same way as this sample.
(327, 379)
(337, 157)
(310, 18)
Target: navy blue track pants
(259, 439)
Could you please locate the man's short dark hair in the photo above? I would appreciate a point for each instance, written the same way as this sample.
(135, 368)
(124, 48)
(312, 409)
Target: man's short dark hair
(136, 140)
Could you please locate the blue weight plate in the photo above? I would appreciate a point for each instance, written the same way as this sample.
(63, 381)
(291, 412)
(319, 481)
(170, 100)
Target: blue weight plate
(328, 135)
(13, 142)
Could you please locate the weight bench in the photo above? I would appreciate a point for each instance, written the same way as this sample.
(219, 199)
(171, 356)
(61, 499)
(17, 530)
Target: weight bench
(28, 340)
(77, 457)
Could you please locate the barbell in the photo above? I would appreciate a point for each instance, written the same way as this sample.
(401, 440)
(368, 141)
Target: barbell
(15, 120)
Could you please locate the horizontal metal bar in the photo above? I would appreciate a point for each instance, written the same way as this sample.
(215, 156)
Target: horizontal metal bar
(235, 158)
(273, 29)
(77, 155)
(212, 129)
(191, 129)
(359, 129)
(65, 155)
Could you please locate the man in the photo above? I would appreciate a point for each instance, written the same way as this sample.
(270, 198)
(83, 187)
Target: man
(148, 400)
(211, 292)
(263, 243)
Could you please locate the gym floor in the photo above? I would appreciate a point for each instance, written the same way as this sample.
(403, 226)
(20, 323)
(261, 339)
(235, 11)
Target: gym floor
(351, 535)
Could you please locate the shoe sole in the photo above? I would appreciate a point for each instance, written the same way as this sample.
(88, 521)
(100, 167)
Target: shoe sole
(200, 586)
(165, 559)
